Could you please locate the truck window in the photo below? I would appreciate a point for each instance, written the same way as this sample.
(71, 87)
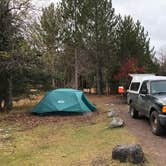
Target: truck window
(158, 86)
(135, 86)
(144, 88)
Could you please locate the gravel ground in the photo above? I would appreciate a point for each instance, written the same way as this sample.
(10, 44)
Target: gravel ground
(153, 145)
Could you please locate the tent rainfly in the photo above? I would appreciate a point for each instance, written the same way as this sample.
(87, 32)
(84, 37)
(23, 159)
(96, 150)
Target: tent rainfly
(64, 100)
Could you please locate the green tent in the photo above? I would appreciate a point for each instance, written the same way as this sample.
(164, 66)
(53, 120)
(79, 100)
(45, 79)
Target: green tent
(64, 100)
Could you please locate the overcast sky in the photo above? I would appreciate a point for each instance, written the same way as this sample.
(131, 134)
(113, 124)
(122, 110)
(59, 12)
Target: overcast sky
(151, 13)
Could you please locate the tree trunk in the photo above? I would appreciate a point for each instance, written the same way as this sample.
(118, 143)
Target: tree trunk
(9, 95)
(53, 81)
(1, 107)
(107, 87)
(98, 63)
(99, 79)
(76, 68)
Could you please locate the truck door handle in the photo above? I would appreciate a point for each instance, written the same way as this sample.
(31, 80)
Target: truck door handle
(142, 95)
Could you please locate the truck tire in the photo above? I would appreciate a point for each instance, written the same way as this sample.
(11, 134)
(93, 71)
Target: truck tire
(133, 113)
(157, 129)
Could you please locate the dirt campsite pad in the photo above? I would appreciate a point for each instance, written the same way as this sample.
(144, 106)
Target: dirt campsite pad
(76, 140)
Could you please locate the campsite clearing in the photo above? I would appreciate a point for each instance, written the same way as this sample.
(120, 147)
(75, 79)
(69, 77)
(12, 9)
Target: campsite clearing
(59, 140)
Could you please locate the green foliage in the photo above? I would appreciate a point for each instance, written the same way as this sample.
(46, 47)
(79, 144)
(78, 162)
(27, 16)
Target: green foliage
(100, 38)
(81, 37)
(16, 54)
(74, 14)
(134, 42)
(6, 27)
(50, 22)
(92, 42)
(100, 24)
(48, 34)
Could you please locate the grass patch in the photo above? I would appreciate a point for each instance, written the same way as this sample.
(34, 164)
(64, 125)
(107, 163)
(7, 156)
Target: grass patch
(66, 142)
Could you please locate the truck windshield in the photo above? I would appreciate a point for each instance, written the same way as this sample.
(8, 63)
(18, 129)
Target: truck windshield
(158, 87)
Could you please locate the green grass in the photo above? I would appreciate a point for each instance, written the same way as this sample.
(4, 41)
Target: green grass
(64, 143)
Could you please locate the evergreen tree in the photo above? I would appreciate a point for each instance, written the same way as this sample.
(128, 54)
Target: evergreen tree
(11, 15)
(100, 36)
(50, 35)
(134, 42)
(74, 17)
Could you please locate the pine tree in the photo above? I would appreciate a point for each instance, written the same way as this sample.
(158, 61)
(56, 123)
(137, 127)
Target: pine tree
(134, 42)
(100, 36)
(50, 35)
(74, 17)
(11, 15)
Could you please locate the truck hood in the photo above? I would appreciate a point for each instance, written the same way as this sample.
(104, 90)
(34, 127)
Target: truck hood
(161, 98)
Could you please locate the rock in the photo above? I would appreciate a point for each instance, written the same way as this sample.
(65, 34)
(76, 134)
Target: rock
(1, 130)
(113, 109)
(116, 122)
(112, 114)
(128, 153)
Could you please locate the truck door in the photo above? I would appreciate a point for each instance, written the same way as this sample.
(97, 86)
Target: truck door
(143, 99)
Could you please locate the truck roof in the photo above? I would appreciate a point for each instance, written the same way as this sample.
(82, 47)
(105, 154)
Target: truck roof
(144, 77)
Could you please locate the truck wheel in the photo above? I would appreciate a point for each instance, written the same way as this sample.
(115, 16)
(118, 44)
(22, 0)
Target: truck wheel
(133, 113)
(157, 129)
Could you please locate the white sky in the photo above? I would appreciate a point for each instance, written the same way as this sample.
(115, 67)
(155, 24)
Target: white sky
(43, 3)
(151, 13)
